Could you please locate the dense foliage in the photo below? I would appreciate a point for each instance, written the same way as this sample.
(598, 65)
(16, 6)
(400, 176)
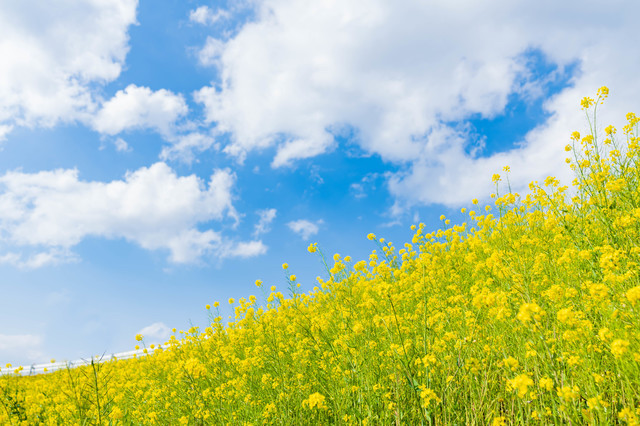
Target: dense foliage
(529, 312)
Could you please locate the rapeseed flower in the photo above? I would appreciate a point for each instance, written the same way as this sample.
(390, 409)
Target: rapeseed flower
(619, 347)
(315, 400)
(520, 383)
(528, 315)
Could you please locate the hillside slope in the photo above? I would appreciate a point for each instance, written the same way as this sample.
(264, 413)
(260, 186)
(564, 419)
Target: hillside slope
(529, 311)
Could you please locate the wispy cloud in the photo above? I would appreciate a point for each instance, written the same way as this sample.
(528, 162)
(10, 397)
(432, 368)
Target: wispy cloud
(121, 145)
(35, 258)
(264, 223)
(186, 147)
(243, 249)
(206, 16)
(304, 228)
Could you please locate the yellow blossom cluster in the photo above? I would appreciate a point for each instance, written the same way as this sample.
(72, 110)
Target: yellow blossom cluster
(526, 313)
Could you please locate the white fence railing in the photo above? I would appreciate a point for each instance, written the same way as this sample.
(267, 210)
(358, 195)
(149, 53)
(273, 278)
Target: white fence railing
(33, 369)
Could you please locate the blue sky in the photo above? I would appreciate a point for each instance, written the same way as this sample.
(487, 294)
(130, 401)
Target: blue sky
(156, 157)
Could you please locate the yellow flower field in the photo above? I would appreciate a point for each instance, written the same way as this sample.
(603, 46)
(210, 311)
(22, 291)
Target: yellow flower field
(528, 313)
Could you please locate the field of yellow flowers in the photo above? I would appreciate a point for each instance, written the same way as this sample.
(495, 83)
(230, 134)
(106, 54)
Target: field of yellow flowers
(527, 313)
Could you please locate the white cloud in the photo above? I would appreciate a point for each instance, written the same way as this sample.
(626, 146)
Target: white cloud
(140, 108)
(367, 184)
(152, 207)
(398, 72)
(210, 54)
(244, 249)
(54, 52)
(304, 228)
(264, 224)
(38, 259)
(157, 332)
(57, 57)
(184, 147)
(5, 129)
(357, 190)
(205, 16)
(298, 149)
(122, 145)
(20, 346)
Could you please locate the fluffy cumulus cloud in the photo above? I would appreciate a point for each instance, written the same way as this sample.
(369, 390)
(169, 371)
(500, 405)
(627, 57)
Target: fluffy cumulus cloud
(51, 211)
(162, 111)
(140, 108)
(400, 73)
(211, 52)
(57, 57)
(304, 228)
(53, 52)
